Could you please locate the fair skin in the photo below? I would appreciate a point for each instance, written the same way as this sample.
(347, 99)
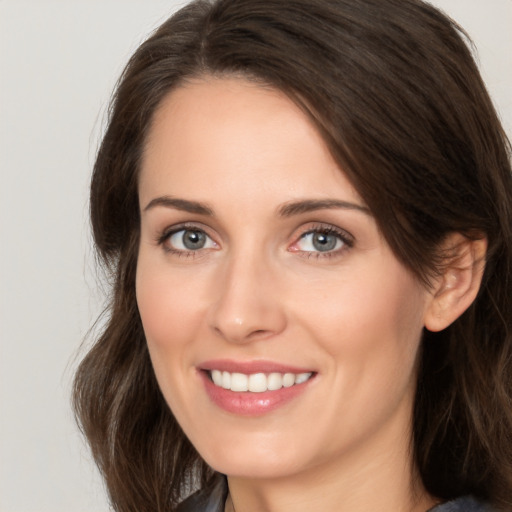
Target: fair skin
(257, 255)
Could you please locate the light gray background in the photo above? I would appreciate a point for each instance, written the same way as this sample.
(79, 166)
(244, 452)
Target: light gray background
(58, 63)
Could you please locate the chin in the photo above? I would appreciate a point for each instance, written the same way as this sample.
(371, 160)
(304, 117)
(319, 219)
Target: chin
(258, 469)
(252, 460)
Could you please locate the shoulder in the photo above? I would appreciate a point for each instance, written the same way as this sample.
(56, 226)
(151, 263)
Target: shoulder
(211, 499)
(464, 504)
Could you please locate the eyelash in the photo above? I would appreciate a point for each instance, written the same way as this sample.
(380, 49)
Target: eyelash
(169, 232)
(346, 239)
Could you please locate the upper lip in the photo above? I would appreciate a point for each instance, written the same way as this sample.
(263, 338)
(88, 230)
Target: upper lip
(250, 367)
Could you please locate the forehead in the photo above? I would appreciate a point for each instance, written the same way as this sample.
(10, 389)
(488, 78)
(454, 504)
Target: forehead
(234, 138)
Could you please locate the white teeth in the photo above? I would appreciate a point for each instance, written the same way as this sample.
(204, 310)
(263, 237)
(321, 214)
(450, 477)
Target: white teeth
(217, 377)
(302, 377)
(274, 381)
(226, 380)
(288, 380)
(257, 382)
(239, 382)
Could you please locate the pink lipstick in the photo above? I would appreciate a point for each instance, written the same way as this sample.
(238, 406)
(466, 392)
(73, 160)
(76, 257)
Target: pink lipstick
(255, 387)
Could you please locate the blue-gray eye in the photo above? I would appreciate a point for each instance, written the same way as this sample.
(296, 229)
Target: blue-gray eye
(318, 241)
(190, 240)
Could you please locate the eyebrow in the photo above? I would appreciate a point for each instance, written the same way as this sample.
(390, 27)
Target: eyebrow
(287, 210)
(310, 205)
(180, 204)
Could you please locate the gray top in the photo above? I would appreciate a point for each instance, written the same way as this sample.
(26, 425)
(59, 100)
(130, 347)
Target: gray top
(215, 500)
(464, 504)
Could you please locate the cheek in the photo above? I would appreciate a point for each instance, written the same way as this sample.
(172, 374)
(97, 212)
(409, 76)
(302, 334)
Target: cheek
(165, 308)
(168, 319)
(368, 309)
(371, 326)
(157, 307)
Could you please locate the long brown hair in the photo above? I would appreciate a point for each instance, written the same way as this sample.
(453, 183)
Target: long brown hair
(392, 87)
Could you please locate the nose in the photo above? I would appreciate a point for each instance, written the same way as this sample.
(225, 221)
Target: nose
(247, 305)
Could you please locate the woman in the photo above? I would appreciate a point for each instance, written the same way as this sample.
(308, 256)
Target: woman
(305, 207)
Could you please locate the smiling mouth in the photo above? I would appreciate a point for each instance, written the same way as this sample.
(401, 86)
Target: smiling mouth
(256, 382)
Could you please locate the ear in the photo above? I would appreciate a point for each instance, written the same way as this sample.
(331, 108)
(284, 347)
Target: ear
(457, 286)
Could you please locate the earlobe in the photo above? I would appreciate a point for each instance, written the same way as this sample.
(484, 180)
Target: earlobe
(457, 286)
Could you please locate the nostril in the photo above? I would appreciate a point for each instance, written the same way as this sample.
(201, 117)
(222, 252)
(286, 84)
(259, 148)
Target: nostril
(259, 333)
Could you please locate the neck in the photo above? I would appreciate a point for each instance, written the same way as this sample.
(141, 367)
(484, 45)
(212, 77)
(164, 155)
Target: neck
(384, 480)
(349, 496)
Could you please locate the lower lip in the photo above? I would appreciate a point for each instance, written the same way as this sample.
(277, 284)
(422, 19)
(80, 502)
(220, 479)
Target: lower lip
(251, 404)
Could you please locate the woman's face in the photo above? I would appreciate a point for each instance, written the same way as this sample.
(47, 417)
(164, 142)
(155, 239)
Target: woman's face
(260, 267)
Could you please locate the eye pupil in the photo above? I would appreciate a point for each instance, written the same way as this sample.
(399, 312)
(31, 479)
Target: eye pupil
(194, 239)
(324, 241)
